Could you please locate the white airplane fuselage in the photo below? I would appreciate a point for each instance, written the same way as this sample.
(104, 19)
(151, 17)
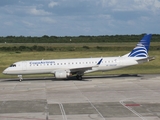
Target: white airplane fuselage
(51, 66)
(64, 68)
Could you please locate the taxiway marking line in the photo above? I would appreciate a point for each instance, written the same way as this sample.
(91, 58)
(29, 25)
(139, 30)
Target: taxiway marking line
(89, 102)
(132, 110)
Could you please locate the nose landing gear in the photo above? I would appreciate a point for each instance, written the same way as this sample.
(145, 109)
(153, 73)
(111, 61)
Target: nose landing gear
(20, 78)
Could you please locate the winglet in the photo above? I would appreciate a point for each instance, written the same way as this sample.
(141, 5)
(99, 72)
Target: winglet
(100, 61)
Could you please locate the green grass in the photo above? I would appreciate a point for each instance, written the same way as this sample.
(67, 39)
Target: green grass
(121, 44)
(7, 58)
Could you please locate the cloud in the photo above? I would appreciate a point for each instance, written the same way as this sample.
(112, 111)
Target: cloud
(52, 4)
(131, 22)
(48, 20)
(146, 5)
(8, 23)
(35, 11)
(103, 16)
(78, 17)
(28, 24)
(8, 2)
(131, 5)
(145, 18)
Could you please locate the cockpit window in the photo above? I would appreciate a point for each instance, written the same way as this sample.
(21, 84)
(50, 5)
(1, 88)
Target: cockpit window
(13, 65)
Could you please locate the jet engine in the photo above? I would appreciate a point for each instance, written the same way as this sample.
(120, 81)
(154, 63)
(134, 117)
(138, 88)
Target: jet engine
(61, 74)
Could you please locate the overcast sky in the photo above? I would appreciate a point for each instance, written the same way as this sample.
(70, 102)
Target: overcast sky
(78, 17)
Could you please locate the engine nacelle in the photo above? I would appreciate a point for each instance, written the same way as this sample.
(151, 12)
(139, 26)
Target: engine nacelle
(61, 74)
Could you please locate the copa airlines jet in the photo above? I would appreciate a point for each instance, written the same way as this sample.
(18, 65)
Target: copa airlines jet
(64, 68)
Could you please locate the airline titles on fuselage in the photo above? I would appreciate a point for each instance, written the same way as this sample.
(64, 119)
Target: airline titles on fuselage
(42, 62)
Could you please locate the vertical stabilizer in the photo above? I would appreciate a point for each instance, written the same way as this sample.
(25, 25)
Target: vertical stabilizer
(141, 49)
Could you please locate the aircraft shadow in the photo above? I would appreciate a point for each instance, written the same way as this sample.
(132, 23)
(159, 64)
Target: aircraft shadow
(85, 78)
(113, 76)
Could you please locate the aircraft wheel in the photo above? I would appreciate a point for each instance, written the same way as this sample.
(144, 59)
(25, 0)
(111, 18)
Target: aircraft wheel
(79, 77)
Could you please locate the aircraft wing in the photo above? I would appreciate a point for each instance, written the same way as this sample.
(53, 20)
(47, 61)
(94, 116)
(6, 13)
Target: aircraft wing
(81, 69)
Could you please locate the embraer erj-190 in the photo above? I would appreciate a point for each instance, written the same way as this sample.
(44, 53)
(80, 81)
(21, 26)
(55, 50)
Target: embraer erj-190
(64, 68)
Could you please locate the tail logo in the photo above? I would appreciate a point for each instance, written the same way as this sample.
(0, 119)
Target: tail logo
(139, 51)
(142, 48)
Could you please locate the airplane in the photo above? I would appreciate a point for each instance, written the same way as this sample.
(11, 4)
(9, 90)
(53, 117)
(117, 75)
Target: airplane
(64, 68)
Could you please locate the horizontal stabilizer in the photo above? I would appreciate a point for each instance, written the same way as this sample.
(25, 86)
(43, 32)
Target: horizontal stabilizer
(145, 59)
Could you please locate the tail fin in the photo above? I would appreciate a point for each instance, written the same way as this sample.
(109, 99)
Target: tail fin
(141, 50)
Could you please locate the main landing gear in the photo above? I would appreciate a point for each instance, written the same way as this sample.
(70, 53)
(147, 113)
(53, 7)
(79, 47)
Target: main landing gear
(79, 77)
(20, 78)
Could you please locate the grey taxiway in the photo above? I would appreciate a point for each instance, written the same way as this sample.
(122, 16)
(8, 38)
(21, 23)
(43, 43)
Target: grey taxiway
(115, 97)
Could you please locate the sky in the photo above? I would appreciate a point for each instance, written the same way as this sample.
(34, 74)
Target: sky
(79, 17)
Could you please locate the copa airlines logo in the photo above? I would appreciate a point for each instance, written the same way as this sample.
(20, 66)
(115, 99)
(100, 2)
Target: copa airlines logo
(43, 62)
(139, 51)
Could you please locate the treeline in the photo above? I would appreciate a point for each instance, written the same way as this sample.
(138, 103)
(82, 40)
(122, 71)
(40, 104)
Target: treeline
(69, 49)
(78, 39)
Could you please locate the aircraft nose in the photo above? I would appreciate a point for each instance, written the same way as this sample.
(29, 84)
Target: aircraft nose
(5, 71)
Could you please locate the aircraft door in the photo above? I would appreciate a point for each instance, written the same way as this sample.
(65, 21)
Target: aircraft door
(24, 66)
